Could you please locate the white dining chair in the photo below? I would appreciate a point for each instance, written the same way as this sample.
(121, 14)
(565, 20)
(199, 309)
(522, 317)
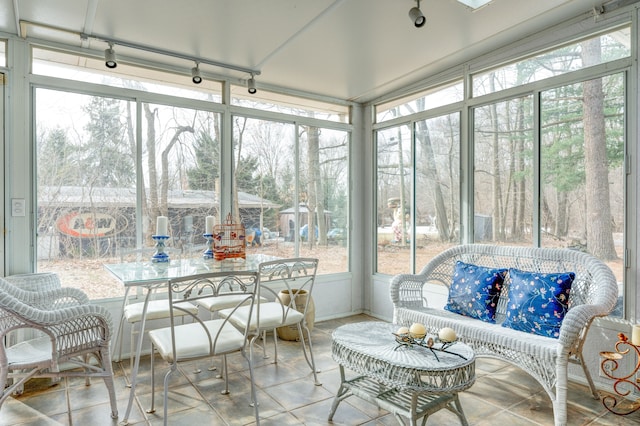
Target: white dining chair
(204, 339)
(293, 275)
(132, 312)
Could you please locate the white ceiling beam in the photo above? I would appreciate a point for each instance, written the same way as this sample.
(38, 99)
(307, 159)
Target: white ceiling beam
(16, 17)
(297, 34)
(89, 19)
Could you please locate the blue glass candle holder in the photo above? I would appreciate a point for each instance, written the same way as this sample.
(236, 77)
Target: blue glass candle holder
(160, 256)
(208, 253)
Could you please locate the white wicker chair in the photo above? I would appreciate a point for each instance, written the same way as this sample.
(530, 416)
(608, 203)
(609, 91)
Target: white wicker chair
(72, 330)
(203, 339)
(594, 293)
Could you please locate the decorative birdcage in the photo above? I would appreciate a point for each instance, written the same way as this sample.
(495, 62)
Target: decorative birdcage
(229, 240)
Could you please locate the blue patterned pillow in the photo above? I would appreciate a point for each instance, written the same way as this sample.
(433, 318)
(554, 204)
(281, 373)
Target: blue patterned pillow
(538, 302)
(475, 290)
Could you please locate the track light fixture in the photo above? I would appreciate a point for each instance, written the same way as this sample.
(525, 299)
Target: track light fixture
(110, 57)
(251, 85)
(416, 16)
(195, 74)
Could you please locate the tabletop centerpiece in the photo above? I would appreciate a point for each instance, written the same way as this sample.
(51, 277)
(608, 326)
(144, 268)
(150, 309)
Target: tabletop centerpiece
(416, 335)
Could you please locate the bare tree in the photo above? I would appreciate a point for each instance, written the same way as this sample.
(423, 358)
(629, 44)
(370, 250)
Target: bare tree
(159, 187)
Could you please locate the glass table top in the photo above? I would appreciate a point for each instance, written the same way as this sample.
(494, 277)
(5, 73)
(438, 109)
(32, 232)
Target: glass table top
(141, 273)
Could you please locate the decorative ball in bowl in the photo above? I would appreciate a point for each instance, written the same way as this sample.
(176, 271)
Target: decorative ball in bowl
(402, 335)
(447, 335)
(417, 330)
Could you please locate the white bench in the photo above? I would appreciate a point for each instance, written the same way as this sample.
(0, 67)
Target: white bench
(593, 294)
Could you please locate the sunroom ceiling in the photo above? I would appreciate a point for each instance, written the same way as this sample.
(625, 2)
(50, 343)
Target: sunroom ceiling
(354, 50)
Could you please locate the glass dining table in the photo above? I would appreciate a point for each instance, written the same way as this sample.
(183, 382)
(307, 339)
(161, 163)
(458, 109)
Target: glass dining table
(150, 276)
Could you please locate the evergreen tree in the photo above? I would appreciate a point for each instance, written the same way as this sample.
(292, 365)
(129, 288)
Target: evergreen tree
(105, 157)
(206, 170)
(57, 152)
(245, 178)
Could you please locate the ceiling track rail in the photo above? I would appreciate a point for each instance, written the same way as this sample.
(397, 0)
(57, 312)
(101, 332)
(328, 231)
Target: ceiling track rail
(116, 42)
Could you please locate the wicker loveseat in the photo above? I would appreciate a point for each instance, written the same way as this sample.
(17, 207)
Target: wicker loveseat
(593, 294)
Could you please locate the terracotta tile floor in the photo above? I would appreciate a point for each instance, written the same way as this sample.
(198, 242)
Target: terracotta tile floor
(502, 395)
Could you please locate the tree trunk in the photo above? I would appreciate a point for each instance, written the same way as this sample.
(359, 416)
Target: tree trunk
(498, 229)
(316, 189)
(432, 175)
(599, 230)
(520, 182)
(236, 202)
(562, 224)
(154, 208)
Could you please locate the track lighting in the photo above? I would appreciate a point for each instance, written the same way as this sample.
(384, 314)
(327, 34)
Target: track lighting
(195, 74)
(110, 57)
(251, 85)
(416, 16)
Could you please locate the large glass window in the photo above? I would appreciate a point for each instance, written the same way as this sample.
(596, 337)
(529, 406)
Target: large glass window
(422, 101)
(108, 167)
(503, 172)
(583, 193)
(582, 198)
(394, 189)
(293, 190)
(266, 100)
(417, 224)
(54, 63)
(3, 53)
(86, 185)
(437, 195)
(180, 163)
(613, 45)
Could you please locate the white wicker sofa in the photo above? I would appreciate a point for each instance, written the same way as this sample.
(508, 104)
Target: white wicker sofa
(593, 294)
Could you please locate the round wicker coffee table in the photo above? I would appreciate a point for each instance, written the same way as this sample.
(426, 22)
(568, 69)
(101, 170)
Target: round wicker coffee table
(410, 381)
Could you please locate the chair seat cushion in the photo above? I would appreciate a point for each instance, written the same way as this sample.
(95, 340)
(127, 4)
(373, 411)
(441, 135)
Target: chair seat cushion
(272, 315)
(30, 353)
(214, 304)
(156, 309)
(192, 340)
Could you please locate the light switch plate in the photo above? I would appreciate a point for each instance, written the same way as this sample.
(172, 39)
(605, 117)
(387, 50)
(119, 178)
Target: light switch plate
(18, 207)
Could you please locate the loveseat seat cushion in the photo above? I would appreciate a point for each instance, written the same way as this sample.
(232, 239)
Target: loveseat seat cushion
(485, 338)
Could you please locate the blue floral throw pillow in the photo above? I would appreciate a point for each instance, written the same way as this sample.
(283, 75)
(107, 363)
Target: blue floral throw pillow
(538, 302)
(475, 290)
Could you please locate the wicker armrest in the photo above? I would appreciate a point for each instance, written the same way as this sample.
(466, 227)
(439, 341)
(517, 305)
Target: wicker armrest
(52, 298)
(53, 317)
(59, 298)
(578, 319)
(406, 290)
